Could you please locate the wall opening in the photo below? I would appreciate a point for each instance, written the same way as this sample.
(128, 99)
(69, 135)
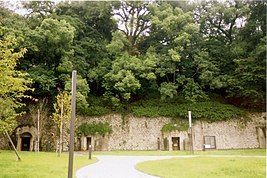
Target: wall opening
(25, 141)
(209, 142)
(175, 143)
(166, 143)
(88, 142)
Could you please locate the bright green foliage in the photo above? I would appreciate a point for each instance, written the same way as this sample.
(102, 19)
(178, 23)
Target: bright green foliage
(62, 108)
(126, 73)
(82, 92)
(13, 84)
(167, 89)
(101, 128)
(174, 36)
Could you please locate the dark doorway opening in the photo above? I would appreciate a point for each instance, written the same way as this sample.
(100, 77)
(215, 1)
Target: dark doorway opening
(166, 143)
(175, 143)
(25, 141)
(89, 142)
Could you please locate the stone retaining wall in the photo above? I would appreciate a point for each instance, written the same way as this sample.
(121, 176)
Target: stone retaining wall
(131, 133)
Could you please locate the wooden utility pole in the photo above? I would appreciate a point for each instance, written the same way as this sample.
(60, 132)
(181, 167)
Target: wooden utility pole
(13, 145)
(72, 120)
(38, 130)
(191, 132)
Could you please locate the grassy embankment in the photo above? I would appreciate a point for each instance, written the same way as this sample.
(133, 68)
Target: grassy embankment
(38, 165)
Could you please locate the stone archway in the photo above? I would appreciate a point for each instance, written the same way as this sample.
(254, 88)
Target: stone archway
(26, 137)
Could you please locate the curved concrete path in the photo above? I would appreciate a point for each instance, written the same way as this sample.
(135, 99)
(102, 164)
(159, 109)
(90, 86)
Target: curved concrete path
(117, 167)
(124, 166)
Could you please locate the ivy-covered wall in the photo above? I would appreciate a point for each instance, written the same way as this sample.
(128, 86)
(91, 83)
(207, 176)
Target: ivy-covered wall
(142, 133)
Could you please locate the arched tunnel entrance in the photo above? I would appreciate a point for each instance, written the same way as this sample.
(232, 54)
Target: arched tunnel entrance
(26, 136)
(25, 141)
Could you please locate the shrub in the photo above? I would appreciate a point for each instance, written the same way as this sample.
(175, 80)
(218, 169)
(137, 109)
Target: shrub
(93, 128)
(210, 111)
(175, 125)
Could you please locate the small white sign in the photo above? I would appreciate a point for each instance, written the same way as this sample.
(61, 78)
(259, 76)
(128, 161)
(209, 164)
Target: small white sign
(207, 146)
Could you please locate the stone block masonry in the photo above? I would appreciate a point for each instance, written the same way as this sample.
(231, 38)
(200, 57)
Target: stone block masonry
(131, 133)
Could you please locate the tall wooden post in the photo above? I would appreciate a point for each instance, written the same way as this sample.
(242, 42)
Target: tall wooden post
(191, 132)
(38, 130)
(13, 145)
(72, 120)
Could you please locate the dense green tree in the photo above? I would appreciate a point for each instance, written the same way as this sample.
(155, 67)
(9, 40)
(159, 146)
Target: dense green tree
(13, 84)
(175, 36)
(94, 24)
(233, 62)
(249, 78)
(126, 51)
(50, 54)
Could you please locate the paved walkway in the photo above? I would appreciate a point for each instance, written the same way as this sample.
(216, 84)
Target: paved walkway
(124, 166)
(116, 167)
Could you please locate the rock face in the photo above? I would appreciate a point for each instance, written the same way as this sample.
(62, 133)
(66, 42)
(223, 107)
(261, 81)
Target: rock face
(131, 133)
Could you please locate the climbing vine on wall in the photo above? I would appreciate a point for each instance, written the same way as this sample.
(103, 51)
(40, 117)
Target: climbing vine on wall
(93, 128)
(209, 111)
(178, 125)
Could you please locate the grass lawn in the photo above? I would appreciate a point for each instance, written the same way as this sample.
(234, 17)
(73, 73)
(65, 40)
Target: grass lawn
(247, 152)
(206, 167)
(38, 165)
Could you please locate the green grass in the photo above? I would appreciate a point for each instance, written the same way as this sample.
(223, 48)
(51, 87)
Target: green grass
(248, 152)
(38, 165)
(206, 167)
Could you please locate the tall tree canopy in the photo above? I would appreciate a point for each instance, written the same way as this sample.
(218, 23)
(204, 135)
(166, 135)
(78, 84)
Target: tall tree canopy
(126, 51)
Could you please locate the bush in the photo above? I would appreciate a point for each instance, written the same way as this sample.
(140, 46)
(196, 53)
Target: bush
(93, 128)
(96, 111)
(175, 125)
(210, 111)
